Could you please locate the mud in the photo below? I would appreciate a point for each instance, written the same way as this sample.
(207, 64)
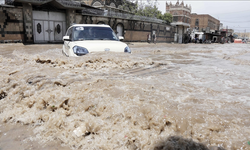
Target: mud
(126, 101)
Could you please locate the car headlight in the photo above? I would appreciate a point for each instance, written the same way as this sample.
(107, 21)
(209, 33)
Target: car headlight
(80, 50)
(127, 50)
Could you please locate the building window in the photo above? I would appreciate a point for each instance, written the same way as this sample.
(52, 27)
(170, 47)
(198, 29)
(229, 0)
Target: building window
(112, 5)
(97, 4)
(197, 22)
(58, 28)
(39, 28)
(175, 18)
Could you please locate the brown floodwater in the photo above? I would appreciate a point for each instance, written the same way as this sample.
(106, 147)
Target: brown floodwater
(124, 101)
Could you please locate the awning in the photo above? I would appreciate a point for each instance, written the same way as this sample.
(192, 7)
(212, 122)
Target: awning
(63, 4)
(180, 24)
(198, 33)
(34, 2)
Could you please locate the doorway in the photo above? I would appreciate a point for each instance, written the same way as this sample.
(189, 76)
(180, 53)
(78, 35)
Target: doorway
(119, 30)
(48, 26)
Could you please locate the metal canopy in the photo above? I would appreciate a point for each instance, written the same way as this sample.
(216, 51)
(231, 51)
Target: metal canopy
(180, 24)
(63, 4)
(34, 2)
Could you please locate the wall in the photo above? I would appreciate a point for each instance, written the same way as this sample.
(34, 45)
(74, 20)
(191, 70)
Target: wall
(11, 24)
(28, 23)
(134, 30)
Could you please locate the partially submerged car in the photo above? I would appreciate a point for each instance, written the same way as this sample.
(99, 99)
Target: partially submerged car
(81, 39)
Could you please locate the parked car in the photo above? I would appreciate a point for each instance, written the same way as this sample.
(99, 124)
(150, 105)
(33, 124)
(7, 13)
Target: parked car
(81, 39)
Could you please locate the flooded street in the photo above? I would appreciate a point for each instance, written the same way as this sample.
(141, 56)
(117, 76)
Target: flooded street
(124, 101)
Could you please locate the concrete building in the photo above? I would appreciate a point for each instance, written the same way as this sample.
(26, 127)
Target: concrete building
(207, 24)
(181, 19)
(243, 35)
(46, 21)
(227, 34)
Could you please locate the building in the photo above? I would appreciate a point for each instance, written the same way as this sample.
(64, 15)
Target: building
(243, 35)
(227, 34)
(46, 21)
(181, 19)
(207, 24)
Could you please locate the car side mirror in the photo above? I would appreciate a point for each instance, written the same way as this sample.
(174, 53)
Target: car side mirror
(66, 38)
(121, 38)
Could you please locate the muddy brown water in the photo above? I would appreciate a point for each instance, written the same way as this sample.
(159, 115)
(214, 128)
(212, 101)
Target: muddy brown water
(124, 101)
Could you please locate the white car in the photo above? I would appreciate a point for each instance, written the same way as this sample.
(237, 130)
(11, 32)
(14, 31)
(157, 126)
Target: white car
(82, 39)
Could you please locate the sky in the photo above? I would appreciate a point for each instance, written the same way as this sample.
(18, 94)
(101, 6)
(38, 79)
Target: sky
(233, 14)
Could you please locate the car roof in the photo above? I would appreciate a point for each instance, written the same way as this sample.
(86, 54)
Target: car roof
(91, 25)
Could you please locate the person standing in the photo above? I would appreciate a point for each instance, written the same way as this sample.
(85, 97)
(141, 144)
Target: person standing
(154, 38)
(149, 38)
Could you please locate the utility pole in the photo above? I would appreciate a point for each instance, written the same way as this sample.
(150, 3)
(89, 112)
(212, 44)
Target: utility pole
(245, 34)
(226, 30)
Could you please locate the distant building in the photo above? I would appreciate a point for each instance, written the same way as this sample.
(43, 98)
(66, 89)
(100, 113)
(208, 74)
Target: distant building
(227, 33)
(207, 24)
(221, 26)
(243, 35)
(181, 18)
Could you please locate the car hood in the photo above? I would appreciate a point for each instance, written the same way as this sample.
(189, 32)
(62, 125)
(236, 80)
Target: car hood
(101, 45)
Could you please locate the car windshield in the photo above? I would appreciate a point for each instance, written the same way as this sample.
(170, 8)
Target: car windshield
(93, 33)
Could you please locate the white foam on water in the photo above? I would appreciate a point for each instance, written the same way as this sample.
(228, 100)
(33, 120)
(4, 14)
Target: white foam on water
(121, 101)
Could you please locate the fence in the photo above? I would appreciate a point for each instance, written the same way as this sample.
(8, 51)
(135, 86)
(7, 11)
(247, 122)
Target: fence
(110, 13)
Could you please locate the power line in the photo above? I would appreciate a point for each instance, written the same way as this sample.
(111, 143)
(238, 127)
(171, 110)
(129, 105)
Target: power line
(241, 27)
(235, 21)
(226, 17)
(235, 29)
(231, 12)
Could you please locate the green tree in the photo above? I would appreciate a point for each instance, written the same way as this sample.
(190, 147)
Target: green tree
(147, 10)
(152, 11)
(130, 6)
(167, 17)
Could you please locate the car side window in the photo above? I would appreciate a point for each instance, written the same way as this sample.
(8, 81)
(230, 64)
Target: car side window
(69, 33)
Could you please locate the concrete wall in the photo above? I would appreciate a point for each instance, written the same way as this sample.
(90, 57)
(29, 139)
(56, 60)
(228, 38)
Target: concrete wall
(134, 30)
(28, 23)
(11, 24)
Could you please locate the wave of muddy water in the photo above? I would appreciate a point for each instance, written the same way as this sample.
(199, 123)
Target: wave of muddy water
(123, 101)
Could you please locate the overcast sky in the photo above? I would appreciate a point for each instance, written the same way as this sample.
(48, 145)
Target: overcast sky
(234, 14)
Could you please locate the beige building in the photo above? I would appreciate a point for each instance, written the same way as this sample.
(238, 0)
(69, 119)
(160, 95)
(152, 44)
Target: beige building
(243, 34)
(205, 23)
(181, 18)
